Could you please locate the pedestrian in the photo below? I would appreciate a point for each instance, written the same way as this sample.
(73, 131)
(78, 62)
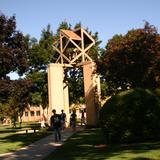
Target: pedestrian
(82, 118)
(14, 121)
(56, 125)
(43, 119)
(63, 120)
(73, 120)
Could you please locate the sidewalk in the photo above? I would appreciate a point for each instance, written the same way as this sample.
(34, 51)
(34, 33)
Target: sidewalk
(38, 150)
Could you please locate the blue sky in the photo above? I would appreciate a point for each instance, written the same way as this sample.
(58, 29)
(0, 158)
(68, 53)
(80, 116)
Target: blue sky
(107, 17)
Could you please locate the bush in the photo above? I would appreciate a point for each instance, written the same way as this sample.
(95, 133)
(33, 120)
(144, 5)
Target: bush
(131, 116)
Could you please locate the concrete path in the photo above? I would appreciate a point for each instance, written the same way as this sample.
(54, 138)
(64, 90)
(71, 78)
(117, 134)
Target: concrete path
(38, 150)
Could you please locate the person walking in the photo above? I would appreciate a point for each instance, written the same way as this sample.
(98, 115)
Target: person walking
(43, 119)
(83, 118)
(73, 120)
(56, 125)
(63, 120)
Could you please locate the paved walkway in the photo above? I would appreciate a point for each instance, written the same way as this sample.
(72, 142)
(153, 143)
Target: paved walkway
(39, 149)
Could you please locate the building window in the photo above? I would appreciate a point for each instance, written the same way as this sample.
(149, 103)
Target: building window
(37, 113)
(32, 113)
(26, 114)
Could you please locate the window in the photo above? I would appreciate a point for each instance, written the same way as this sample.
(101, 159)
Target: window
(32, 113)
(37, 113)
(26, 114)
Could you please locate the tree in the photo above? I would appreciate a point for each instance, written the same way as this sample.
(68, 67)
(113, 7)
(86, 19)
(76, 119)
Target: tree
(19, 97)
(75, 84)
(131, 116)
(39, 92)
(40, 55)
(132, 60)
(13, 53)
(13, 48)
(13, 58)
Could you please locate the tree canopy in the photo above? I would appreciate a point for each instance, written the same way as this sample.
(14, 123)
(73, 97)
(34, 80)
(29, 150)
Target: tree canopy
(13, 48)
(13, 58)
(132, 60)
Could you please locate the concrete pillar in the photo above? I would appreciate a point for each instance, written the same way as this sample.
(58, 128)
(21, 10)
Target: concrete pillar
(57, 90)
(92, 106)
(66, 102)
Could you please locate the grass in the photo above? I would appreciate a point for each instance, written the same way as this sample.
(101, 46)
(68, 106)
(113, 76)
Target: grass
(89, 145)
(12, 140)
(9, 128)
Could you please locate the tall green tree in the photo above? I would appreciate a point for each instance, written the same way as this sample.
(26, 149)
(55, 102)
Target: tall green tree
(39, 92)
(19, 97)
(13, 58)
(40, 54)
(132, 60)
(13, 48)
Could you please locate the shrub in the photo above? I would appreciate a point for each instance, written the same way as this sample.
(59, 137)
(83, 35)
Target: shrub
(131, 116)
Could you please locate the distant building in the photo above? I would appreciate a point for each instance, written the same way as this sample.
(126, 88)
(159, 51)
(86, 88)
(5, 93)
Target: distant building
(33, 113)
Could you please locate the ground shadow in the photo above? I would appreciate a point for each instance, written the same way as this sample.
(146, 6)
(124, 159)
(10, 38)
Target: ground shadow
(89, 144)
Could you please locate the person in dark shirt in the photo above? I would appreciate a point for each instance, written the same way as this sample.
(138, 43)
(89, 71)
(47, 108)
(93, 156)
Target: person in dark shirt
(82, 118)
(73, 120)
(63, 120)
(56, 125)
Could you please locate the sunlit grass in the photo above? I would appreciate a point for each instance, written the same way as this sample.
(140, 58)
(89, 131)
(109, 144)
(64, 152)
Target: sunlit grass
(10, 140)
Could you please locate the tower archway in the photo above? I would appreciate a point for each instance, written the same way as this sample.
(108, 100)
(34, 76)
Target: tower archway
(72, 48)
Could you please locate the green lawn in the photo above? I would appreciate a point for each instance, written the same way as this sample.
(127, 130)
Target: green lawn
(11, 140)
(9, 128)
(88, 145)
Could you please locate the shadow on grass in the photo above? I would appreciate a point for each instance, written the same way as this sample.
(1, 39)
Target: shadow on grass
(89, 145)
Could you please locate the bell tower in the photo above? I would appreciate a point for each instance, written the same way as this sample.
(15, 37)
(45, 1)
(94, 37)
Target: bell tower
(72, 48)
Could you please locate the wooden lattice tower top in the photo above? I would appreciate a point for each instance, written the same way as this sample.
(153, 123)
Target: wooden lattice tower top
(72, 47)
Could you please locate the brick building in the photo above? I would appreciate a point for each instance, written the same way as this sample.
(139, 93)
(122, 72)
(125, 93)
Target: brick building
(34, 113)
